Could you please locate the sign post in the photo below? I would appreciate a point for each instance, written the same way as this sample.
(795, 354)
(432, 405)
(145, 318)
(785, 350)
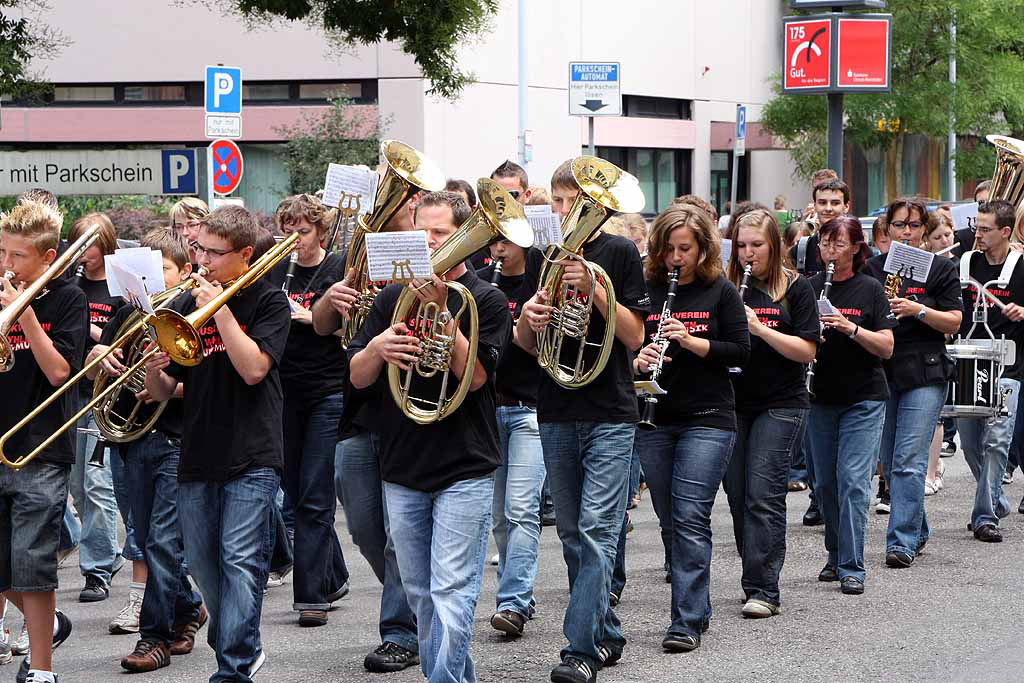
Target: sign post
(739, 149)
(595, 89)
(833, 54)
(223, 100)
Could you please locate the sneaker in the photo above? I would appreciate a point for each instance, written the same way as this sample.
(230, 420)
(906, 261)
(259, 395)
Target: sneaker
(127, 620)
(20, 646)
(275, 579)
(760, 609)
(261, 659)
(613, 599)
(883, 505)
(608, 655)
(683, 643)
(988, 533)
(95, 590)
(185, 634)
(898, 559)
(948, 449)
(1007, 478)
(851, 585)
(33, 678)
(509, 622)
(63, 631)
(149, 655)
(938, 484)
(494, 560)
(573, 670)
(930, 489)
(390, 657)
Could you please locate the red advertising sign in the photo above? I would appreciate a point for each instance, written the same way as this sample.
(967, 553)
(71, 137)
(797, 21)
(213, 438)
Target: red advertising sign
(808, 54)
(863, 53)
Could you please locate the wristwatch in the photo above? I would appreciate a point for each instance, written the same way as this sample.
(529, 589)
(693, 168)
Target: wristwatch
(920, 314)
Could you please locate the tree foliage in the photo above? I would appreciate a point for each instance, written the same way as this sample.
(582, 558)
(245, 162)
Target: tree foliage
(988, 96)
(337, 135)
(429, 31)
(24, 36)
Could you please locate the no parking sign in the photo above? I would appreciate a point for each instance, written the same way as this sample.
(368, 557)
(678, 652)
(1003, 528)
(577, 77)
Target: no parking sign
(225, 166)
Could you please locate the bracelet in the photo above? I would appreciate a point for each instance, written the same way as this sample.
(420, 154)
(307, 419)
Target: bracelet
(855, 331)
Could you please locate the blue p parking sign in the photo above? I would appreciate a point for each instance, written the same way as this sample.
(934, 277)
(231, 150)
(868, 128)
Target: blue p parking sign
(223, 90)
(178, 171)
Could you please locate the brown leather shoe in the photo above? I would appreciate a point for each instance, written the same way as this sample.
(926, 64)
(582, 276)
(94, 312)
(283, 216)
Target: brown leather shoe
(185, 634)
(312, 617)
(149, 655)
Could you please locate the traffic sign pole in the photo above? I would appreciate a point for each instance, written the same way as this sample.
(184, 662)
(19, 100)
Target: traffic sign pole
(835, 132)
(590, 136)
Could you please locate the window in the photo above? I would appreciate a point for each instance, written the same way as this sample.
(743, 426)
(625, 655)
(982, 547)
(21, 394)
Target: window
(265, 91)
(656, 107)
(321, 91)
(83, 93)
(664, 174)
(154, 93)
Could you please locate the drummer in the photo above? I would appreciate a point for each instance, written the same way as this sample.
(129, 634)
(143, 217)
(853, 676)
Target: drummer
(986, 441)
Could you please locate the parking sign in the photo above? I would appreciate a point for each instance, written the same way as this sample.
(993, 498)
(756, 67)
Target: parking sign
(178, 168)
(223, 90)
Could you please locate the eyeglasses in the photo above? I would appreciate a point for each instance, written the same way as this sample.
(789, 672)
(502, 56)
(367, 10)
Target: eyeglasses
(213, 253)
(828, 244)
(986, 230)
(515, 194)
(899, 225)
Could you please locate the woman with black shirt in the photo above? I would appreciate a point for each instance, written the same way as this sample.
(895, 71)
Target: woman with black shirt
(771, 404)
(848, 399)
(312, 378)
(686, 456)
(917, 374)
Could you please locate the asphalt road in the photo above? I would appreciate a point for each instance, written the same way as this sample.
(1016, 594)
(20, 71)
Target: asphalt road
(954, 616)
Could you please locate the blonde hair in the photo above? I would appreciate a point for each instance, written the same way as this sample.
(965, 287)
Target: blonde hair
(37, 221)
(779, 276)
(538, 196)
(191, 208)
(106, 238)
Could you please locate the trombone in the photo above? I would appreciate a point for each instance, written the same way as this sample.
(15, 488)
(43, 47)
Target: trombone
(12, 313)
(175, 334)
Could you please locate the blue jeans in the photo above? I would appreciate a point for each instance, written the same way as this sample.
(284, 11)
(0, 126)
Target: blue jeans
(92, 490)
(310, 437)
(516, 509)
(151, 468)
(588, 469)
(684, 467)
(123, 497)
(70, 530)
(358, 479)
(844, 447)
(441, 541)
(756, 484)
(910, 419)
(227, 535)
(986, 444)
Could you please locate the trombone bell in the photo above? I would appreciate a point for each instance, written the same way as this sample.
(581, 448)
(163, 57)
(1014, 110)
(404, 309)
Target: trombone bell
(1008, 177)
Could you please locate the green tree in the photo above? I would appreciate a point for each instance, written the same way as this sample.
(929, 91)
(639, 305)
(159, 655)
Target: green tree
(25, 37)
(343, 134)
(429, 31)
(988, 96)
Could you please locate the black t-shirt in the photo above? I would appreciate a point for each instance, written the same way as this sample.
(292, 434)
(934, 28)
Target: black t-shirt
(62, 313)
(313, 366)
(846, 372)
(169, 421)
(812, 262)
(769, 379)
(699, 391)
(609, 397)
(102, 308)
(230, 427)
(518, 372)
(911, 337)
(463, 445)
(983, 272)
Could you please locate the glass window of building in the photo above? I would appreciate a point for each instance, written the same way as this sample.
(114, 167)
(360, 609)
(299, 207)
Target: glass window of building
(154, 93)
(321, 91)
(265, 91)
(83, 93)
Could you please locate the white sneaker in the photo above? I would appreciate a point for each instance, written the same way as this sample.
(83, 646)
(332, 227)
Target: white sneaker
(20, 646)
(494, 560)
(261, 659)
(929, 488)
(938, 483)
(127, 620)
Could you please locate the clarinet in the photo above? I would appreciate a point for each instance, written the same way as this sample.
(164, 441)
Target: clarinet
(647, 420)
(496, 275)
(744, 285)
(287, 286)
(830, 270)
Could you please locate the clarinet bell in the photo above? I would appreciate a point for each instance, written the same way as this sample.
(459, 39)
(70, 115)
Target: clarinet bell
(646, 422)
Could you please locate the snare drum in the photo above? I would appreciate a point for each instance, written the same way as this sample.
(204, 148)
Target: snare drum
(974, 390)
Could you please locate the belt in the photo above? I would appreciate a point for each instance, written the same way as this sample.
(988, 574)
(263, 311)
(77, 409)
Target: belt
(506, 401)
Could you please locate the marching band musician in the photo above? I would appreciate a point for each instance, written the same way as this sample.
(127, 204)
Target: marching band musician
(170, 611)
(231, 452)
(685, 457)
(917, 375)
(312, 378)
(771, 404)
(48, 344)
(986, 441)
(187, 216)
(587, 438)
(439, 477)
(848, 399)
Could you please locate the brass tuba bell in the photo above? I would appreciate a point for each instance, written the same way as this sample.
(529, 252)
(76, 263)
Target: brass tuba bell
(1008, 177)
(497, 216)
(408, 172)
(605, 190)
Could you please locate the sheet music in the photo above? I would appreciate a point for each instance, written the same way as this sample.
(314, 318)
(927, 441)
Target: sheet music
(398, 256)
(145, 262)
(547, 225)
(964, 215)
(909, 262)
(134, 288)
(350, 187)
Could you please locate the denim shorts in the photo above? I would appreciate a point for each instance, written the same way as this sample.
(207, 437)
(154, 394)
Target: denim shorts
(32, 502)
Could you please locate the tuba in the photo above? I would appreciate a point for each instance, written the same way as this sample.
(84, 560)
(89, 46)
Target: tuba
(605, 190)
(1008, 177)
(408, 172)
(497, 216)
(10, 314)
(175, 334)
